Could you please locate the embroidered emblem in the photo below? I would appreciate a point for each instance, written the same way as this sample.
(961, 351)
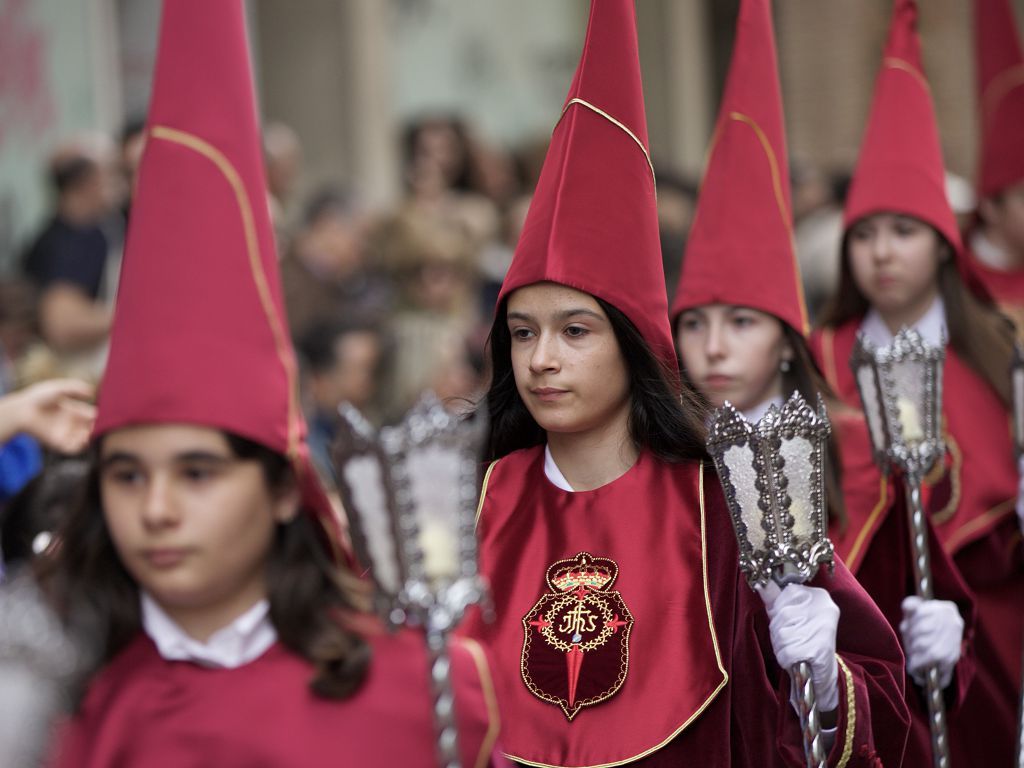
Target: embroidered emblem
(576, 646)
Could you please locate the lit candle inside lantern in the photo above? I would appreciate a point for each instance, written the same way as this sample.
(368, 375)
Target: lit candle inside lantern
(440, 550)
(910, 420)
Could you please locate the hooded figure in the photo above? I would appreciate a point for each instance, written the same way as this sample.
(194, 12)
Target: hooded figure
(903, 265)
(625, 633)
(741, 330)
(205, 552)
(995, 254)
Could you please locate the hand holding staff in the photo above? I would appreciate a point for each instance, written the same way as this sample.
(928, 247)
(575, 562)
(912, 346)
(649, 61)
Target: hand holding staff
(773, 475)
(901, 389)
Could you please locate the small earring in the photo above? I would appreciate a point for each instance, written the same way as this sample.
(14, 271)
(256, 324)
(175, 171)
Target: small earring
(784, 366)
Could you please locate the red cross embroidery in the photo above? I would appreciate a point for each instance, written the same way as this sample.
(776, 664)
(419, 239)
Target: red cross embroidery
(615, 623)
(541, 623)
(581, 591)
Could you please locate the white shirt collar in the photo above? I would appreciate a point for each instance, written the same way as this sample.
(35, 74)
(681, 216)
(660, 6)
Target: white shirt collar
(931, 326)
(754, 414)
(988, 253)
(243, 640)
(554, 474)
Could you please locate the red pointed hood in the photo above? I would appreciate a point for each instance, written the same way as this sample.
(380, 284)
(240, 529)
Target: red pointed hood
(593, 222)
(900, 166)
(199, 334)
(1000, 79)
(740, 249)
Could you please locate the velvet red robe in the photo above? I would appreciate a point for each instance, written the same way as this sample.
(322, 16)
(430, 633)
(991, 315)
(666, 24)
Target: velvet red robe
(971, 500)
(875, 545)
(144, 711)
(1006, 287)
(697, 676)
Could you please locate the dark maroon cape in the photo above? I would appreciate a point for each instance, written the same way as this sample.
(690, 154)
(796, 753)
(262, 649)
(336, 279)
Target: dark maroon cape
(142, 710)
(970, 500)
(878, 536)
(682, 700)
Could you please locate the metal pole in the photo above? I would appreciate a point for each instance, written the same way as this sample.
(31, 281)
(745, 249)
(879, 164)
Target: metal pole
(810, 720)
(444, 699)
(923, 580)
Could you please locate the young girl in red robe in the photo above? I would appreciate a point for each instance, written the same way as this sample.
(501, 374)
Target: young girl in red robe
(625, 632)
(740, 324)
(204, 558)
(900, 260)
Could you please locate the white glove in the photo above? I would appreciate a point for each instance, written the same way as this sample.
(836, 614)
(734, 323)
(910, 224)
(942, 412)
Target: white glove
(802, 624)
(1020, 492)
(933, 632)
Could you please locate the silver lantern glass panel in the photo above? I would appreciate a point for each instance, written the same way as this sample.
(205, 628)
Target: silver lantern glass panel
(773, 475)
(420, 548)
(901, 389)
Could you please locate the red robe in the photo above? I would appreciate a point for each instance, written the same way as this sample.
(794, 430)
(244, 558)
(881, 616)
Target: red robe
(141, 710)
(685, 670)
(1006, 287)
(875, 545)
(970, 499)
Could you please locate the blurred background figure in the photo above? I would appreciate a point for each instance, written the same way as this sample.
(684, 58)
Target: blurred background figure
(342, 361)
(817, 231)
(435, 270)
(677, 201)
(74, 261)
(325, 272)
(282, 152)
(441, 174)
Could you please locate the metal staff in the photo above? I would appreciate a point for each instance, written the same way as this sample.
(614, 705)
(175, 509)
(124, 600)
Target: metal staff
(901, 390)
(411, 493)
(773, 475)
(1017, 380)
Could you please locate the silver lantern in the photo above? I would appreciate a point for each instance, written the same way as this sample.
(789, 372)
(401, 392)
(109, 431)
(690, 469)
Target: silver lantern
(773, 477)
(901, 390)
(410, 492)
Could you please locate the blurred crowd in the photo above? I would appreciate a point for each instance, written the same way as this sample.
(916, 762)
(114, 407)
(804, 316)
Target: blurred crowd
(382, 304)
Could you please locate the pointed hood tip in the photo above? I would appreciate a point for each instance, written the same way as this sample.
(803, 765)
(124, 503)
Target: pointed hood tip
(900, 166)
(746, 179)
(592, 224)
(1000, 90)
(199, 333)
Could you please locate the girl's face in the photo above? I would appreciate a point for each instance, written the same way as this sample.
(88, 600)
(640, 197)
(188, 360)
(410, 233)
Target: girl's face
(894, 260)
(192, 523)
(733, 353)
(568, 367)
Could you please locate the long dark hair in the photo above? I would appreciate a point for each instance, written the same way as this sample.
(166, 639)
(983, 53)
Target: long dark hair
(979, 334)
(663, 419)
(309, 595)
